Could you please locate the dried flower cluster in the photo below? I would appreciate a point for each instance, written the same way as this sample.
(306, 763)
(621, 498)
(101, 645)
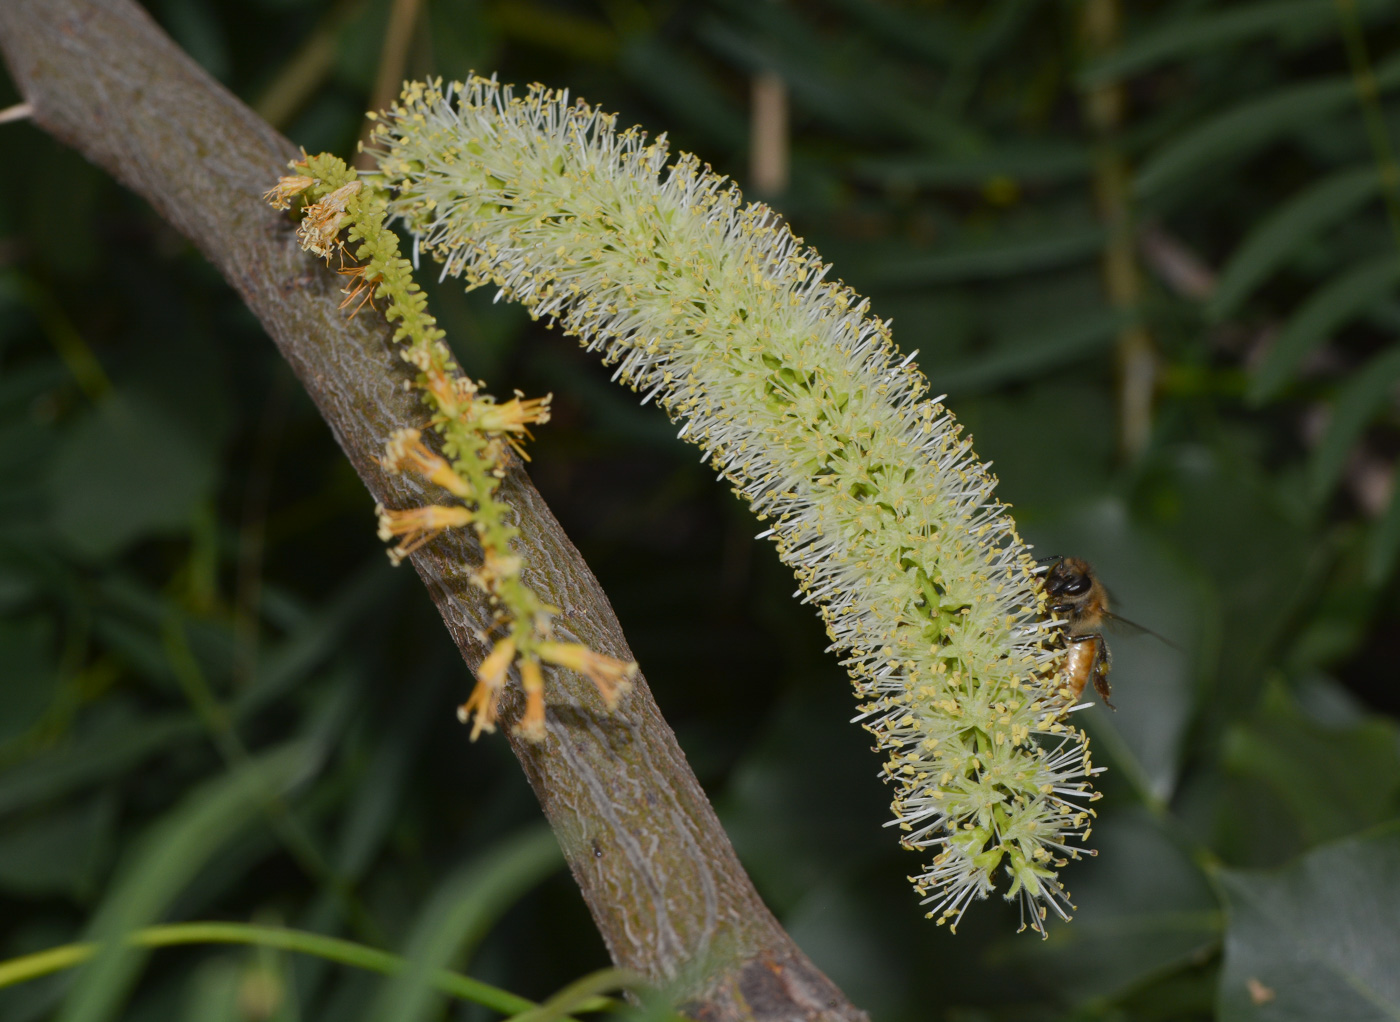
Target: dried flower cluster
(477, 434)
(798, 397)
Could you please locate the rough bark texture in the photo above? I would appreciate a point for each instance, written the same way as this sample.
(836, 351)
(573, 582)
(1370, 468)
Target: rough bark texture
(654, 865)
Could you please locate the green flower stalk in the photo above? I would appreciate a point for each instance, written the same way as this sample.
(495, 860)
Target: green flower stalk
(798, 397)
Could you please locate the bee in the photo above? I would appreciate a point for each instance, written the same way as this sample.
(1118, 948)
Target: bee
(1075, 592)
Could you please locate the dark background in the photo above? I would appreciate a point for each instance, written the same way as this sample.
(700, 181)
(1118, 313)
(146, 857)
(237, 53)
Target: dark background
(189, 574)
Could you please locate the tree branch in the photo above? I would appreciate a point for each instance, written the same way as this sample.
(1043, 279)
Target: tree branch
(656, 869)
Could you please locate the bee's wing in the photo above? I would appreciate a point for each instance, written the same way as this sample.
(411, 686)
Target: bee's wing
(1122, 624)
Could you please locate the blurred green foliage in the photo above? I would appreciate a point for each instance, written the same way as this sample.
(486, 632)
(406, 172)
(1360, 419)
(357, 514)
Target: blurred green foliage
(217, 701)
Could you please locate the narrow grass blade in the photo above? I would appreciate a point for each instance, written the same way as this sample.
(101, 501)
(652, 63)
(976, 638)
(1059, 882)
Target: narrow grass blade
(1383, 545)
(1279, 236)
(1243, 129)
(61, 771)
(1057, 344)
(1045, 251)
(165, 860)
(1186, 37)
(579, 993)
(1327, 309)
(1352, 411)
(458, 914)
(1039, 163)
(305, 649)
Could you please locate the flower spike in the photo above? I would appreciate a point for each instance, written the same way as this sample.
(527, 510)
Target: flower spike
(797, 395)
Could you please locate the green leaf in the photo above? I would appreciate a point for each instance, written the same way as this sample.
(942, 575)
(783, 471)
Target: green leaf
(1039, 163)
(159, 866)
(16, 587)
(934, 34)
(772, 37)
(578, 994)
(1278, 237)
(199, 31)
(92, 758)
(834, 925)
(381, 788)
(458, 914)
(30, 673)
(1245, 127)
(573, 35)
(21, 385)
(1384, 543)
(1317, 940)
(316, 637)
(999, 258)
(1019, 358)
(1333, 780)
(1333, 305)
(59, 853)
(1144, 908)
(1355, 405)
(124, 472)
(839, 102)
(682, 86)
(1184, 37)
(212, 991)
(12, 300)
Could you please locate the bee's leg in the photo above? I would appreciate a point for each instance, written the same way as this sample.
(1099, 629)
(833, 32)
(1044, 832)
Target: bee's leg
(1099, 671)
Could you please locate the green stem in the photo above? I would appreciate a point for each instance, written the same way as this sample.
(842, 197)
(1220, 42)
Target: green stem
(580, 993)
(333, 949)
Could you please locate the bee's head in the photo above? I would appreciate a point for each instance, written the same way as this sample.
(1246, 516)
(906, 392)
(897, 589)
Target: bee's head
(1068, 581)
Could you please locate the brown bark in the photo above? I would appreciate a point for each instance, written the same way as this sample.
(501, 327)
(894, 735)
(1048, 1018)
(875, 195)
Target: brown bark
(654, 865)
